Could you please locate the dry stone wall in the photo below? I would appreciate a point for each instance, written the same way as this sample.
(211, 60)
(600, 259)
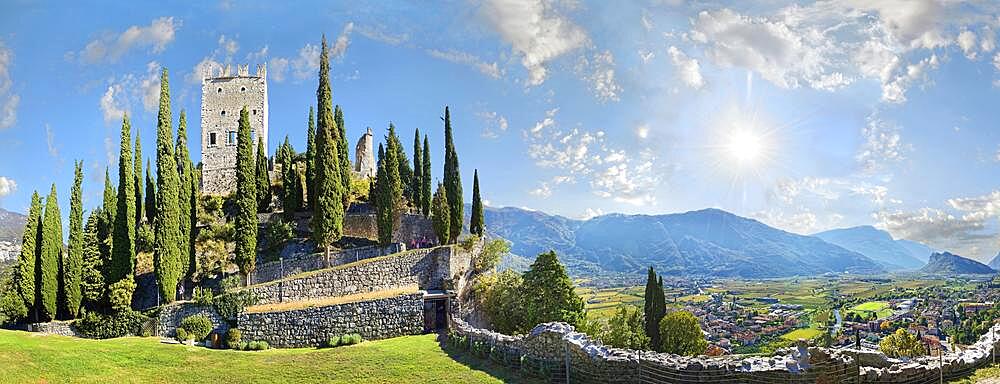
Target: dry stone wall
(312, 327)
(556, 351)
(171, 316)
(62, 328)
(310, 262)
(412, 228)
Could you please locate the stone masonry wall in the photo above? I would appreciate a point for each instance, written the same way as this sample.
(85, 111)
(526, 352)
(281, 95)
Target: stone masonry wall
(558, 348)
(280, 269)
(312, 327)
(62, 328)
(172, 315)
(412, 228)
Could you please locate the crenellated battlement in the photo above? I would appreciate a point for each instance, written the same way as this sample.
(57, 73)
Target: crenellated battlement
(218, 71)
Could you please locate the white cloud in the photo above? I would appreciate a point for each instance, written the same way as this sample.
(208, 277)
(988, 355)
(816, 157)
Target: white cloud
(495, 124)
(379, 33)
(131, 90)
(963, 235)
(340, 45)
(488, 69)
(967, 41)
(591, 213)
(642, 131)
(688, 69)
(111, 47)
(543, 190)
(882, 145)
(50, 142)
(600, 74)
(535, 31)
(7, 186)
(548, 121)
(8, 100)
(112, 109)
(228, 45)
(149, 87)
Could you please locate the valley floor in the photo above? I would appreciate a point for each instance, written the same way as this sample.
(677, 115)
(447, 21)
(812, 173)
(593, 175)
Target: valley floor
(32, 358)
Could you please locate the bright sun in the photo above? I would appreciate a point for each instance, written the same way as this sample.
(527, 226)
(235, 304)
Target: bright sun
(745, 147)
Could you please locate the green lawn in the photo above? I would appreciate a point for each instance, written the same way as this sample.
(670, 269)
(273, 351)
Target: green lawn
(32, 358)
(802, 333)
(879, 308)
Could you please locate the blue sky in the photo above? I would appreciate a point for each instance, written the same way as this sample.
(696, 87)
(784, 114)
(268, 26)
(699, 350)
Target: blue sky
(807, 116)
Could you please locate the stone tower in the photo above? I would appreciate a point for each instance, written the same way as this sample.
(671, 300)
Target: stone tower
(223, 95)
(364, 156)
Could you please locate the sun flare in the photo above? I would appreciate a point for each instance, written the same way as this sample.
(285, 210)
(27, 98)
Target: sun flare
(745, 147)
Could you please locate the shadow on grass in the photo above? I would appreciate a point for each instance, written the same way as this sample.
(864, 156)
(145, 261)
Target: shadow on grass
(485, 365)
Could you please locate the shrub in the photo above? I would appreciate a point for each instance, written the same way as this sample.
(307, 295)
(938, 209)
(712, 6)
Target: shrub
(491, 255)
(468, 242)
(233, 338)
(230, 283)
(182, 335)
(202, 296)
(197, 326)
(257, 346)
(100, 326)
(333, 341)
(354, 339)
(120, 295)
(144, 238)
(229, 305)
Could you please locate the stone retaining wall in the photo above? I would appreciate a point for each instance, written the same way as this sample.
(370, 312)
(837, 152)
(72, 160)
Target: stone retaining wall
(429, 269)
(62, 328)
(312, 327)
(412, 227)
(172, 315)
(280, 269)
(557, 351)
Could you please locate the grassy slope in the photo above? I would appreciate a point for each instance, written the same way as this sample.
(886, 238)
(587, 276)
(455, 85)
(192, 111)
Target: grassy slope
(57, 359)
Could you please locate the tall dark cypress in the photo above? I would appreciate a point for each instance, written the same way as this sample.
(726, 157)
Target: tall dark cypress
(402, 162)
(291, 200)
(416, 185)
(328, 216)
(49, 256)
(342, 153)
(311, 160)
(192, 262)
(650, 310)
(246, 199)
(392, 189)
(73, 261)
(184, 192)
(477, 223)
(27, 261)
(137, 175)
(260, 177)
(440, 217)
(425, 182)
(123, 247)
(91, 278)
(150, 204)
(452, 180)
(167, 251)
(106, 226)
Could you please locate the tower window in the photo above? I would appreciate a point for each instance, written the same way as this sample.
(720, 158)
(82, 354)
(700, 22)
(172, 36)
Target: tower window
(243, 89)
(231, 138)
(223, 113)
(211, 139)
(219, 90)
(255, 112)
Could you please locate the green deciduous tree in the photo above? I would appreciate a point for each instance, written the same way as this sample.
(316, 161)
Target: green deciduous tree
(680, 334)
(477, 223)
(626, 329)
(552, 296)
(503, 301)
(441, 215)
(167, 252)
(92, 284)
(311, 160)
(416, 185)
(902, 344)
(73, 262)
(452, 180)
(50, 254)
(425, 180)
(123, 247)
(246, 199)
(27, 261)
(262, 180)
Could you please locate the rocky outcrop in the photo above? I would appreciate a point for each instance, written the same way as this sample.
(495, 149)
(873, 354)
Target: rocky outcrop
(945, 263)
(312, 327)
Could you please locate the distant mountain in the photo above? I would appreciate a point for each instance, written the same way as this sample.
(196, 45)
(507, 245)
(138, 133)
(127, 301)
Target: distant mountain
(878, 245)
(945, 263)
(11, 226)
(995, 263)
(917, 250)
(707, 242)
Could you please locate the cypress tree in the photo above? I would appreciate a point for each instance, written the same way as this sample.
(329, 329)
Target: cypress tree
(381, 153)
(416, 184)
(49, 257)
(394, 187)
(123, 248)
(649, 309)
(184, 193)
(73, 262)
(425, 181)
(477, 223)
(440, 215)
(393, 144)
(246, 199)
(263, 182)
(137, 175)
(311, 160)
(150, 205)
(192, 262)
(452, 180)
(106, 226)
(291, 189)
(27, 261)
(342, 152)
(167, 251)
(328, 216)
(91, 278)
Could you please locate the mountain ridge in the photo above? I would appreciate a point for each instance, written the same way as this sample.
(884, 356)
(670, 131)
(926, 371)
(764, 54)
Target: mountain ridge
(877, 244)
(951, 264)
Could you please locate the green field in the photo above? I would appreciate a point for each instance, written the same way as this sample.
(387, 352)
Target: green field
(33, 358)
(802, 333)
(879, 308)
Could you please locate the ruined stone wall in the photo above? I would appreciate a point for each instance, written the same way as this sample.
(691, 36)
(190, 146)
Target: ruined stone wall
(312, 327)
(171, 316)
(556, 351)
(412, 228)
(275, 270)
(62, 328)
(223, 95)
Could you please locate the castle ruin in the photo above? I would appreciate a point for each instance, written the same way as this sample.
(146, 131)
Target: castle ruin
(223, 96)
(364, 157)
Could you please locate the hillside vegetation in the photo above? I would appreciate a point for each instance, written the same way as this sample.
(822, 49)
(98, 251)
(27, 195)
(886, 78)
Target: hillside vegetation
(57, 359)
